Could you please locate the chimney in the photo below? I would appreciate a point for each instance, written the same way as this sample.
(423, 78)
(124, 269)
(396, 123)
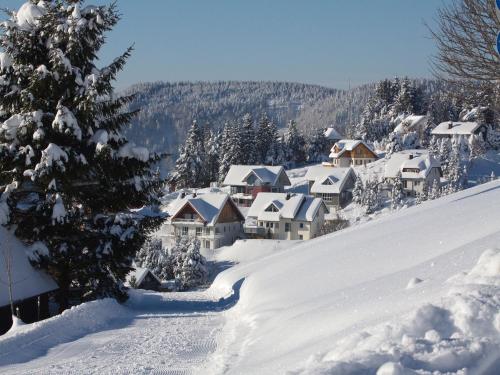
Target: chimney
(194, 194)
(410, 156)
(288, 196)
(183, 195)
(450, 125)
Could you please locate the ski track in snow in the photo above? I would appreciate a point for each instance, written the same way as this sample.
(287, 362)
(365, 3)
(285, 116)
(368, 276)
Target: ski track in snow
(165, 334)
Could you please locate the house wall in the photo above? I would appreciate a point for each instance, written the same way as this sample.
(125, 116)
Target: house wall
(28, 309)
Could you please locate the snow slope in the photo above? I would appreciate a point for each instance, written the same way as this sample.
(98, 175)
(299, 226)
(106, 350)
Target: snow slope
(349, 302)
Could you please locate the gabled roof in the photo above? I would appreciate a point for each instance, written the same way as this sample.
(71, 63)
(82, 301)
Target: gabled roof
(140, 274)
(27, 281)
(207, 205)
(420, 160)
(332, 135)
(459, 128)
(296, 207)
(412, 122)
(337, 176)
(348, 145)
(268, 175)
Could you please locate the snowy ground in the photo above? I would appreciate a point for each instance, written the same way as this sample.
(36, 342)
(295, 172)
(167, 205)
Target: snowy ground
(414, 292)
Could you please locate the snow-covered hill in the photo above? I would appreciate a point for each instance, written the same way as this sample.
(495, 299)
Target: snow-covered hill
(392, 290)
(414, 292)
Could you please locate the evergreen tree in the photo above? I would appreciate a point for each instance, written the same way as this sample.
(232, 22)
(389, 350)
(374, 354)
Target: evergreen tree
(435, 191)
(264, 139)
(248, 140)
(316, 146)
(155, 258)
(189, 169)
(371, 199)
(212, 160)
(225, 156)
(68, 178)
(358, 191)
(295, 144)
(397, 193)
(190, 267)
(231, 149)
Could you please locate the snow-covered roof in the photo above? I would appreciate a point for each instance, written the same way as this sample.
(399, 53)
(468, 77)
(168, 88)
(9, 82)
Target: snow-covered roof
(347, 145)
(297, 207)
(327, 179)
(27, 281)
(268, 175)
(207, 205)
(412, 122)
(450, 128)
(410, 159)
(140, 273)
(332, 134)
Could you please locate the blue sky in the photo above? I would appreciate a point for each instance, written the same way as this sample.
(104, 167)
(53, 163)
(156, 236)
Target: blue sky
(326, 42)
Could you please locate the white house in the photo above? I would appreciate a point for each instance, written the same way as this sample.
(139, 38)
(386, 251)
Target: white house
(285, 216)
(450, 129)
(349, 152)
(212, 217)
(415, 166)
(333, 185)
(332, 135)
(246, 181)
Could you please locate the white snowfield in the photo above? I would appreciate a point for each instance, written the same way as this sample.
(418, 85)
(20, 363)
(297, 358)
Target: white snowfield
(415, 292)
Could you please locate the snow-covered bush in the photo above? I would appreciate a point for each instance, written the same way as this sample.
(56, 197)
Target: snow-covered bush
(155, 258)
(190, 267)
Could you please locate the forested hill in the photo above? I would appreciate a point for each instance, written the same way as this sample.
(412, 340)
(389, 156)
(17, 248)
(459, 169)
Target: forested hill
(167, 109)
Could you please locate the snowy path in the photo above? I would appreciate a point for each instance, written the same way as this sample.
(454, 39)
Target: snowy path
(172, 334)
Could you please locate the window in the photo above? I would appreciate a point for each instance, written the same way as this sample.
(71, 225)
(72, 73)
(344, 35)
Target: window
(272, 208)
(198, 231)
(287, 227)
(267, 224)
(275, 190)
(327, 197)
(207, 244)
(217, 230)
(301, 237)
(224, 229)
(405, 184)
(185, 231)
(207, 231)
(416, 183)
(261, 223)
(277, 225)
(301, 225)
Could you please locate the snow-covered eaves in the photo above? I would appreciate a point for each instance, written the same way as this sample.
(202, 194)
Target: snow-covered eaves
(332, 135)
(328, 179)
(347, 145)
(207, 205)
(140, 274)
(458, 128)
(289, 206)
(267, 175)
(27, 282)
(412, 122)
(413, 164)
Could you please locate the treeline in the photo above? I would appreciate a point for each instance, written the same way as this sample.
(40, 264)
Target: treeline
(208, 153)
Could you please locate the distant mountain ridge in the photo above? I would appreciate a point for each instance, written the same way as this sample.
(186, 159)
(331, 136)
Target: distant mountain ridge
(168, 109)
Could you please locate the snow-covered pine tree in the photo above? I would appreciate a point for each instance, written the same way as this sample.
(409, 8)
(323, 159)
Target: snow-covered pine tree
(397, 192)
(358, 190)
(154, 257)
(225, 156)
(247, 139)
(316, 146)
(212, 160)
(264, 139)
(295, 144)
(371, 199)
(189, 169)
(190, 267)
(435, 191)
(68, 178)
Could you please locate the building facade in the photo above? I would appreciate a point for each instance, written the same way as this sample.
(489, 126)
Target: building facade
(213, 218)
(346, 153)
(333, 185)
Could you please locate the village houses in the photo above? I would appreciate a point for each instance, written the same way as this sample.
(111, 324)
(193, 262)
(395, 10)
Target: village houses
(450, 129)
(348, 152)
(285, 216)
(246, 181)
(212, 217)
(417, 168)
(333, 185)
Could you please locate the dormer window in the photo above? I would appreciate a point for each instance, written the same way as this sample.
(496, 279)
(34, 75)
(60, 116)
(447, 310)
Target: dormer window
(327, 182)
(272, 208)
(251, 179)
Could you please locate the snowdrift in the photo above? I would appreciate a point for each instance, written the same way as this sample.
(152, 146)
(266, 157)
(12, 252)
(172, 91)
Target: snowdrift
(417, 290)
